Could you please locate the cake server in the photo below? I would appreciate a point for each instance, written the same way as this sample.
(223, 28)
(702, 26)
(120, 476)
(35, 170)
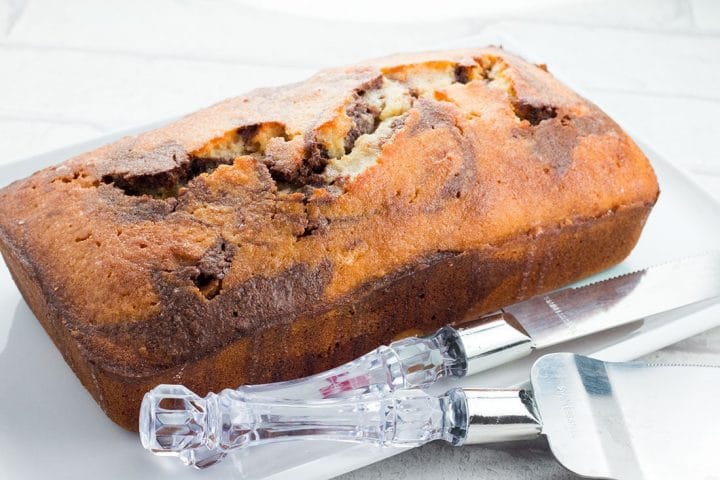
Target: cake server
(513, 332)
(608, 420)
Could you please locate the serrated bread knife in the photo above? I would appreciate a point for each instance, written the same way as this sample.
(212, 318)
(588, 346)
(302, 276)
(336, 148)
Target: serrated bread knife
(513, 332)
(628, 421)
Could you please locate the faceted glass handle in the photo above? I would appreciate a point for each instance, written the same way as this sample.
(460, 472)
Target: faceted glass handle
(175, 421)
(409, 363)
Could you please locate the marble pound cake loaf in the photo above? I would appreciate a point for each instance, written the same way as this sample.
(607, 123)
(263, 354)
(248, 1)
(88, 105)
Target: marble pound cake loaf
(286, 231)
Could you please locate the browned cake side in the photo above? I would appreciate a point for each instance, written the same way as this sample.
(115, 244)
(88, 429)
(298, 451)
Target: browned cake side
(286, 231)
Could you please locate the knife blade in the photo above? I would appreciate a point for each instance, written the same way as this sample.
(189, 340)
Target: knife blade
(568, 314)
(576, 312)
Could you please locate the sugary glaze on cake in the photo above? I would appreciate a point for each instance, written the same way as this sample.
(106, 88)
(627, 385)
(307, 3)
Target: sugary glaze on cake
(287, 230)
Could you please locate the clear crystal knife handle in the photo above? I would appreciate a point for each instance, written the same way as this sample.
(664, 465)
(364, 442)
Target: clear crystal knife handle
(412, 362)
(175, 420)
(408, 363)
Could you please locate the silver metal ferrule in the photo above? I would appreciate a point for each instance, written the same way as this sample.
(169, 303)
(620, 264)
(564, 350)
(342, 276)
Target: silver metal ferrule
(492, 340)
(500, 416)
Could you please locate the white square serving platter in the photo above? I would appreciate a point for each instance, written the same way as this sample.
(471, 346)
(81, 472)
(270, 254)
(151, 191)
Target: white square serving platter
(51, 428)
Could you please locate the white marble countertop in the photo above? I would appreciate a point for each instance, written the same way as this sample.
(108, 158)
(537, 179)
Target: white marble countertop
(76, 69)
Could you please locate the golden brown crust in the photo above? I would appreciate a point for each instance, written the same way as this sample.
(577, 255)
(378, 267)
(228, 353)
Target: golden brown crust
(404, 192)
